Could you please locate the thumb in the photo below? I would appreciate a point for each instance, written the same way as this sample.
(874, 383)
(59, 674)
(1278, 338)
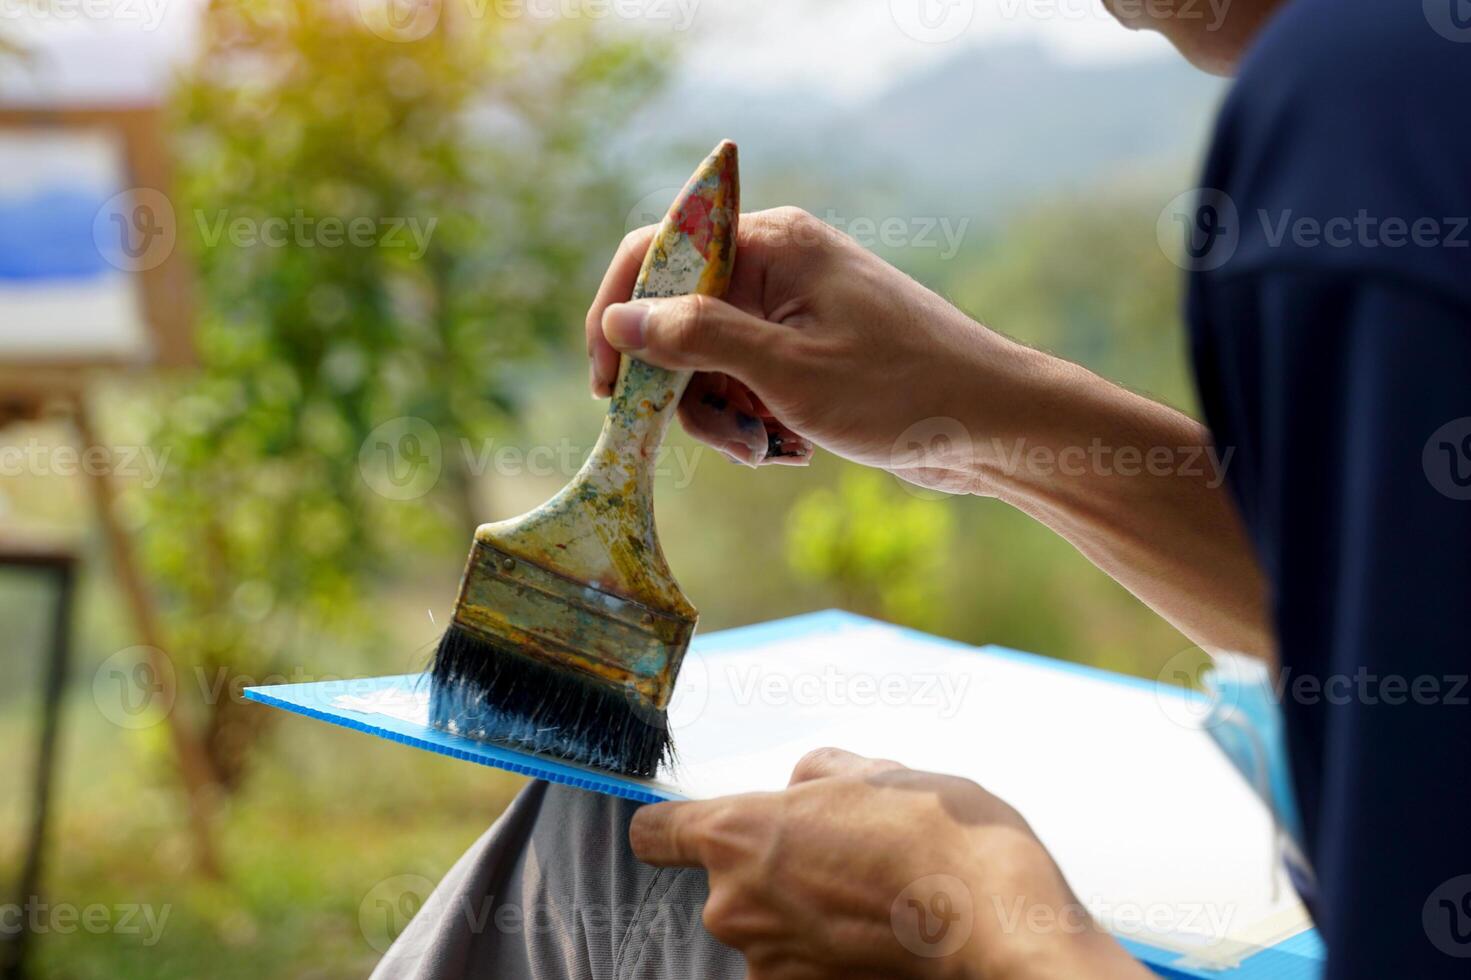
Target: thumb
(693, 333)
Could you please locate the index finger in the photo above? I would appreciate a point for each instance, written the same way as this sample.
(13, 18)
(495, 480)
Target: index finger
(617, 287)
(662, 834)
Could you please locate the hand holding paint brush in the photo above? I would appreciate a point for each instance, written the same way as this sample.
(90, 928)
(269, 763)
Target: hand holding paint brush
(819, 341)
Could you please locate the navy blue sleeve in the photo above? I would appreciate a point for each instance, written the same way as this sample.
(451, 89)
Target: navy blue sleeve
(1330, 309)
(1347, 396)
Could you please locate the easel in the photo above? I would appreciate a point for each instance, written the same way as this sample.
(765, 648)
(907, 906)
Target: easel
(57, 382)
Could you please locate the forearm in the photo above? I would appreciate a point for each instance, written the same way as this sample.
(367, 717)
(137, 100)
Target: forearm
(1136, 486)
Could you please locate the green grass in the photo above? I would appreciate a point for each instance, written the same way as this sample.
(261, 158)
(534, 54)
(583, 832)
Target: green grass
(324, 817)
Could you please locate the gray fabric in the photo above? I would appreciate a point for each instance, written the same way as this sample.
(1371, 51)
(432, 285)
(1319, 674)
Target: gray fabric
(552, 892)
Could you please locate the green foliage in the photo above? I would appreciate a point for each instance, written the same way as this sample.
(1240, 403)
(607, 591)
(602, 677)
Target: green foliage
(1084, 279)
(880, 546)
(382, 229)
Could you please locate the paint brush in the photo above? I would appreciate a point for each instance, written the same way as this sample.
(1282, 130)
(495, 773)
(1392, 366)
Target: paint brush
(569, 628)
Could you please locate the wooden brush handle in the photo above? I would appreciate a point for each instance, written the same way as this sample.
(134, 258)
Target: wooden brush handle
(692, 252)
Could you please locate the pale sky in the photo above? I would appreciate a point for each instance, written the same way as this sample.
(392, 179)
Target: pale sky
(850, 47)
(847, 48)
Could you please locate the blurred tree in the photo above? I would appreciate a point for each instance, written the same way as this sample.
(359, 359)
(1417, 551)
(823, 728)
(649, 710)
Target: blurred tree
(881, 547)
(386, 222)
(1086, 279)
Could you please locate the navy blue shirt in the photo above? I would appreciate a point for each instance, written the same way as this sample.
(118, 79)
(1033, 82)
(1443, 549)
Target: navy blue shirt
(1330, 314)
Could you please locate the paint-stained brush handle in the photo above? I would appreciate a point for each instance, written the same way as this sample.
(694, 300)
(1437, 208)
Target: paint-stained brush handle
(569, 629)
(692, 252)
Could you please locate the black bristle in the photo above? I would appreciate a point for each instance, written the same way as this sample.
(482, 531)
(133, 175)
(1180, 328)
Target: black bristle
(492, 693)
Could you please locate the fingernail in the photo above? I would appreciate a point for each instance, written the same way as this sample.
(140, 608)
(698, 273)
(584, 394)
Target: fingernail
(742, 454)
(623, 325)
(592, 383)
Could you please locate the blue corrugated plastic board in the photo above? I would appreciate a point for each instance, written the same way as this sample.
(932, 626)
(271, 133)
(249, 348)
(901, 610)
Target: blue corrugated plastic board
(1298, 958)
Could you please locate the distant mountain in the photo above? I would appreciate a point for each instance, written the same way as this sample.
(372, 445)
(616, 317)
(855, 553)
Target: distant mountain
(972, 135)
